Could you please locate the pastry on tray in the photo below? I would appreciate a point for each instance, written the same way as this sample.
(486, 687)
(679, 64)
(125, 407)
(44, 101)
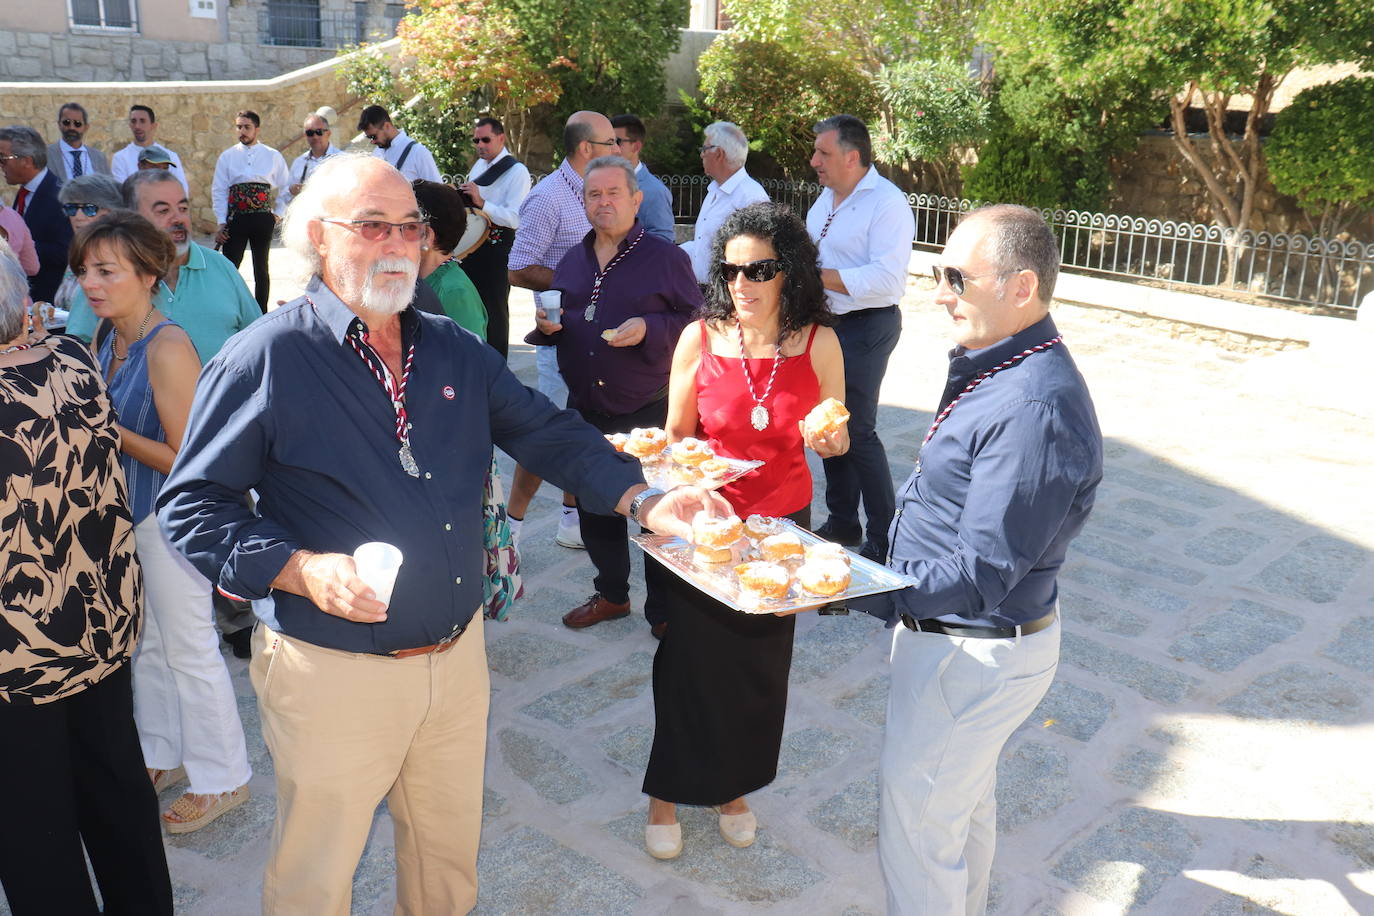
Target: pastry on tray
(759, 527)
(645, 443)
(716, 532)
(762, 580)
(825, 578)
(782, 546)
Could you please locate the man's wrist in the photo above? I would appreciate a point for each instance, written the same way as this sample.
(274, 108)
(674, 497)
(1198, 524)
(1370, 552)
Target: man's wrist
(642, 502)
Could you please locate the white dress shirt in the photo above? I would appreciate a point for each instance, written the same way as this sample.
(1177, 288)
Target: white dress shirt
(420, 162)
(502, 198)
(125, 162)
(241, 164)
(302, 168)
(739, 190)
(869, 242)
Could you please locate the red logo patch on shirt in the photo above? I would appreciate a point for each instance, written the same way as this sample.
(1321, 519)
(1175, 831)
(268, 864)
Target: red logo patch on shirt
(449, 392)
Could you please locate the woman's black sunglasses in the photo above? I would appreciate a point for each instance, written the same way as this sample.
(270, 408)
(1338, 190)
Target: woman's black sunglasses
(86, 209)
(755, 271)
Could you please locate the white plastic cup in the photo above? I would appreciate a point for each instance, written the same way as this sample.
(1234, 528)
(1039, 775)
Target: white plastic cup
(551, 301)
(377, 564)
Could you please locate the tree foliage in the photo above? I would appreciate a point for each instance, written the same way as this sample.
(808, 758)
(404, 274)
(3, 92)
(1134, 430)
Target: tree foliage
(932, 111)
(1322, 151)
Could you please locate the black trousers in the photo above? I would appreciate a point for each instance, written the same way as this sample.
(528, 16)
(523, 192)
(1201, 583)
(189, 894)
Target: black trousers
(71, 773)
(606, 537)
(253, 229)
(486, 268)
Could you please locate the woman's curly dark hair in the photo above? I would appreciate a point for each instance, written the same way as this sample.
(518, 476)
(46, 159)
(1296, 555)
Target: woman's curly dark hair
(803, 297)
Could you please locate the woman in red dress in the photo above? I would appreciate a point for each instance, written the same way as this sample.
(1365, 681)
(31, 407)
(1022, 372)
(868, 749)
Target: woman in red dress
(742, 379)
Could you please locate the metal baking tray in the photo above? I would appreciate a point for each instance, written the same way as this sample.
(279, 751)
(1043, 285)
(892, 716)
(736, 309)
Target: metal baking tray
(660, 473)
(719, 581)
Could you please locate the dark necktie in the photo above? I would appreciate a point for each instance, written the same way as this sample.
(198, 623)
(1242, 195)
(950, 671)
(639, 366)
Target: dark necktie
(20, 199)
(77, 171)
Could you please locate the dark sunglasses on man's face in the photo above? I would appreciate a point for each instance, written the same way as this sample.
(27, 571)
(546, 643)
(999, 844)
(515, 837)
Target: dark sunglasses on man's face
(482, 139)
(316, 131)
(86, 209)
(755, 271)
(68, 122)
(956, 278)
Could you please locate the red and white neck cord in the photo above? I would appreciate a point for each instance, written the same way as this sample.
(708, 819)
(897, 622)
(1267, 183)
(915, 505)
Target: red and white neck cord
(601, 275)
(758, 417)
(394, 390)
(17, 348)
(978, 380)
(826, 228)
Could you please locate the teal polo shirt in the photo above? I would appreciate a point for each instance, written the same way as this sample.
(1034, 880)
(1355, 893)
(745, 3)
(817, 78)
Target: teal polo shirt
(211, 303)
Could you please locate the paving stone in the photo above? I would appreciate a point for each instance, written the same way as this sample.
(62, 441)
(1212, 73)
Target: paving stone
(1127, 861)
(1169, 515)
(1121, 527)
(1134, 558)
(1197, 495)
(248, 823)
(183, 897)
(1070, 710)
(258, 756)
(1100, 615)
(829, 643)
(1298, 691)
(765, 873)
(518, 655)
(1148, 771)
(547, 770)
(1317, 569)
(1125, 588)
(630, 747)
(811, 750)
(1032, 782)
(1152, 681)
(375, 876)
(1355, 645)
(527, 872)
(867, 702)
(1223, 641)
(494, 805)
(1355, 840)
(1225, 546)
(624, 680)
(1271, 520)
(851, 814)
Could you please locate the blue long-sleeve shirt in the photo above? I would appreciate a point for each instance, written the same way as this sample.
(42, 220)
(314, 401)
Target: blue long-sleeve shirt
(289, 409)
(1004, 485)
(656, 207)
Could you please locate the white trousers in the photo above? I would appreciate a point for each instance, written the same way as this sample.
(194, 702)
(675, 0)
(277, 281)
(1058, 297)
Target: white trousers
(184, 703)
(953, 704)
(551, 383)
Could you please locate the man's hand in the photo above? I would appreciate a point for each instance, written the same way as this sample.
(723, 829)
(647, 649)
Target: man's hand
(629, 334)
(672, 513)
(295, 189)
(827, 446)
(222, 235)
(474, 193)
(831, 280)
(542, 322)
(331, 582)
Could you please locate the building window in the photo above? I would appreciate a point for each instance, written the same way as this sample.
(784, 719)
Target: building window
(104, 14)
(294, 23)
(203, 9)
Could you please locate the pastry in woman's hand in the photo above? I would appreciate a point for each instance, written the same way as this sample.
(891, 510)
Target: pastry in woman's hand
(826, 418)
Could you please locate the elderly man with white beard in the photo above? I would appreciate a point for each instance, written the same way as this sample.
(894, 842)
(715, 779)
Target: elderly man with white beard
(358, 419)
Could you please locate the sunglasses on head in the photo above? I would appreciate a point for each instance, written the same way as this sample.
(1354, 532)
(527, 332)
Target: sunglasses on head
(86, 209)
(482, 139)
(956, 278)
(68, 122)
(755, 271)
(316, 131)
(374, 230)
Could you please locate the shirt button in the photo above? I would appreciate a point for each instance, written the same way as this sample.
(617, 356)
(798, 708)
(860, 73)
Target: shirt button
(448, 527)
(458, 580)
(427, 475)
(601, 383)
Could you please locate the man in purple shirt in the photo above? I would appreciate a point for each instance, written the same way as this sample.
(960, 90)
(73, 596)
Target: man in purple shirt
(627, 295)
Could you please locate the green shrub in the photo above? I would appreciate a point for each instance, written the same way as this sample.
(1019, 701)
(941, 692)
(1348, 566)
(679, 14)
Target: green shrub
(1322, 151)
(935, 111)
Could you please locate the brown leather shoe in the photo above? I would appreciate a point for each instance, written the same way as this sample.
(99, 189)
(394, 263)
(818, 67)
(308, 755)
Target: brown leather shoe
(659, 629)
(595, 610)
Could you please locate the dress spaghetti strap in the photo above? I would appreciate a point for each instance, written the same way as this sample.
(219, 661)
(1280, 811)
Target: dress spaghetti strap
(705, 344)
(814, 329)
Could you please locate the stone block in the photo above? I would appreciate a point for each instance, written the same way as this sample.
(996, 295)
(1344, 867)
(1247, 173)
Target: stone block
(765, 873)
(1069, 710)
(1223, 641)
(851, 815)
(1225, 546)
(528, 873)
(23, 68)
(1121, 527)
(494, 805)
(1127, 861)
(1134, 558)
(375, 876)
(829, 643)
(9, 42)
(183, 898)
(868, 702)
(1355, 840)
(38, 40)
(566, 706)
(1300, 692)
(1197, 495)
(1355, 645)
(810, 750)
(1271, 520)
(1317, 569)
(1152, 681)
(1100, 615)
(1032, 782)
(546, 769)
(519, 655)
(1148, 771)
(630, 747)
(1125, 588)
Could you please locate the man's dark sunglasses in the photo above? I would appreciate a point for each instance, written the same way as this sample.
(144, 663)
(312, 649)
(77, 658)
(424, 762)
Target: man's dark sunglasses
(755, 271)
(482, 139)
(956, 278)
(86, 209)
(68, 122)
(316, 131)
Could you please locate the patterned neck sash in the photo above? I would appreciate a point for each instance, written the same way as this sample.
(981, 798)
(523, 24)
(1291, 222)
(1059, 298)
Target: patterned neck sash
(601, 274)
(978, 380)
(826, 228)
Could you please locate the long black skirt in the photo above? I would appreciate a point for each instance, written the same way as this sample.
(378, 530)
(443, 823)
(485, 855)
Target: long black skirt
(720, 697)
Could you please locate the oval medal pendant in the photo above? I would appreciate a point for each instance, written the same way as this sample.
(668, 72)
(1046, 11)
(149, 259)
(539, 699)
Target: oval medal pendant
(408, 462)
(759, 417)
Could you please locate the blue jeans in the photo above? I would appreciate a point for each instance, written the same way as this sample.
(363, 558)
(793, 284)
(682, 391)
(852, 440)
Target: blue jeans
(867, 339)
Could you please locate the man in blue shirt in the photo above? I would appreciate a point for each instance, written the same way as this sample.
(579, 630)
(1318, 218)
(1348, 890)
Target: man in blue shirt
(1003, 483)
(357, 419)
(656, 210)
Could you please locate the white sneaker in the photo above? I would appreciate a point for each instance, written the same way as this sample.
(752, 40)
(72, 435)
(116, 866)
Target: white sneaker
(569, 532)
(515, 524)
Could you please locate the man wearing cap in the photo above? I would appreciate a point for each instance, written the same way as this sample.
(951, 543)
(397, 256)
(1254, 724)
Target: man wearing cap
(143, 125)
(318, 149)
(70, 157)
(154, 157)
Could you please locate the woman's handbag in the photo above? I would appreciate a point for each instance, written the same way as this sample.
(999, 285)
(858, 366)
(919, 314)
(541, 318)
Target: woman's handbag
(502, 585)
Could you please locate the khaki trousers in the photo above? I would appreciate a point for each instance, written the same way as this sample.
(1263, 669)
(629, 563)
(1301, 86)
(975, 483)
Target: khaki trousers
(347, 730)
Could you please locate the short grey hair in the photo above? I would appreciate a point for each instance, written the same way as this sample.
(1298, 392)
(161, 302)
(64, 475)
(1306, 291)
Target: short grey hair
(308, 206)
(14, 295)
(74, 106)
(25, 141)
(138, 179)
(1020, 239)
(612, 162)
(730, 140)
(101, 190)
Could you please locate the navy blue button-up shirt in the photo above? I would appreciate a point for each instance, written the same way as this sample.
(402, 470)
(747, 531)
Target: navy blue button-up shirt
(289, 409)
(1001, 489)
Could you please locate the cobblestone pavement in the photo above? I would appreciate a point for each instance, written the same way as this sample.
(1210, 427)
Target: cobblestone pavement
(1205, 747)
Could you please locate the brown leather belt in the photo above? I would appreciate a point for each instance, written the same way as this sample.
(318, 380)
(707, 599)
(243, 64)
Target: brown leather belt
(442, 645)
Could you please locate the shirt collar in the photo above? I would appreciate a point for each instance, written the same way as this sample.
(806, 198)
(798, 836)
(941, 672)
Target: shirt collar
(329, 150)
(972, 362)
(589, 240)
(498, 157)
(71, 149)
(731, 184)
(37, 180)
(571, 173)
(338, 317)
(196, 259)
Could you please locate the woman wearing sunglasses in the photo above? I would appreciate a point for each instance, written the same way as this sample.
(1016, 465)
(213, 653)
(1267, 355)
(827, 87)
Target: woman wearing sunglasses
(83, 200)
(743, 378)
(184, 706)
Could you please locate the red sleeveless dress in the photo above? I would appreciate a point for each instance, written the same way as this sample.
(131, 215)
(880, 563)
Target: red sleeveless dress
(783, 485)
